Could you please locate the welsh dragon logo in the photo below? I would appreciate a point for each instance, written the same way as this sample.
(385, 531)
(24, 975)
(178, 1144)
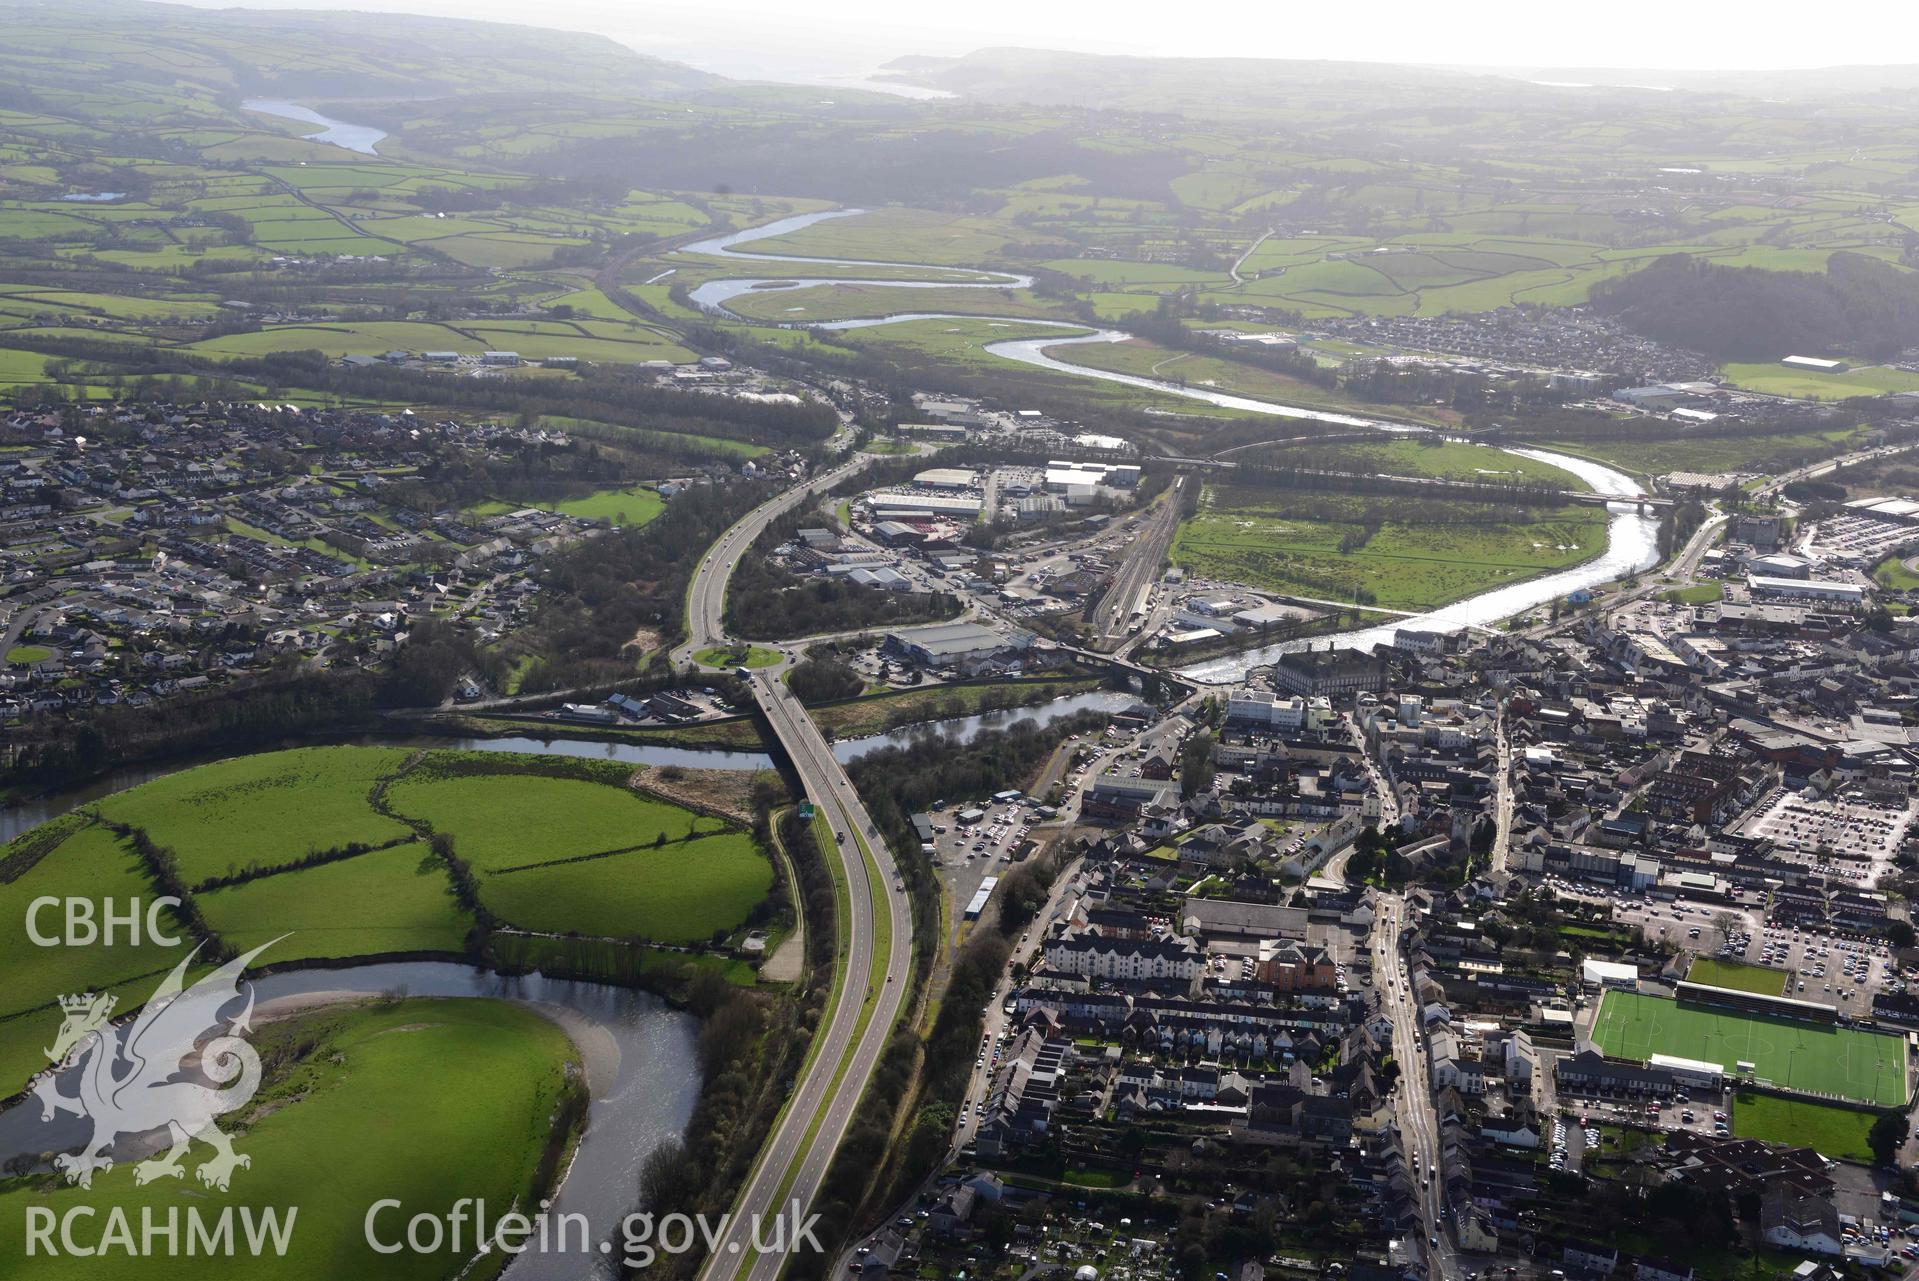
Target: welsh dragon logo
(179, 1065)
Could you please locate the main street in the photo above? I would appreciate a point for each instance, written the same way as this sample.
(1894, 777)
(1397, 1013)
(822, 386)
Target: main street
(866, 1002)
(1417, 1121)
(1502, 790)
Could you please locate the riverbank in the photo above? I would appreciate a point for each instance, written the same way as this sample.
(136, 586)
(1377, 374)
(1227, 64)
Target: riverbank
(639, 1056)
(1631, 538)
(351, 137)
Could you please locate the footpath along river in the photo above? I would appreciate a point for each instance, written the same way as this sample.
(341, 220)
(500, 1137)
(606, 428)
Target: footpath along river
(1632, 537)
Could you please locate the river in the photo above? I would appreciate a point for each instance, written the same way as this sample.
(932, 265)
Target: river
(1632, 538)
(26, 815)
(1632, 546)
(715, 294)
(639, 1055)
(340, 133)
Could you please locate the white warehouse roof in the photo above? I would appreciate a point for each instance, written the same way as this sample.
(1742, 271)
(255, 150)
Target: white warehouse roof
(945, 477)
(938, 504)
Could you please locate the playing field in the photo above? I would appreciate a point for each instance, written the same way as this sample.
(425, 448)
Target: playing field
(1867, 1066)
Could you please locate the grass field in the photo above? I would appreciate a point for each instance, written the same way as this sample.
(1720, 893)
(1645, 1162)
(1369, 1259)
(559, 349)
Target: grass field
(635, 506)
(502, 822)
(852, 302)
(22, 655)
(92, 864)
(557, 844)
(1831, 1131)
(607, 342)
(898, 235)
(266, 809)
(1777, 380)
(1213, 373)
(388, 901)
(571, 856)
(1854, 1064)
(560, 845)
(1292, 542)
(1709, 453)
(1741, 978)
(681, 892)
(962, 341)
(426, 1101)
(1426, 456)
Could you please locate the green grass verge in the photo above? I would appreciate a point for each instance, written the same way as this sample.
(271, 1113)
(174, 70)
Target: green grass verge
(1893, 572)
(876, 984)
(843, 915)
(737, 656)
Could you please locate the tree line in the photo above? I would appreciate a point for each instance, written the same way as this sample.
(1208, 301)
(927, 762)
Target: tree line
(1859, 305)
(604, 393)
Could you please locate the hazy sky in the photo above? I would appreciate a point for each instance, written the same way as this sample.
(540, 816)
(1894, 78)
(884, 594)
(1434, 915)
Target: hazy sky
(814, 39)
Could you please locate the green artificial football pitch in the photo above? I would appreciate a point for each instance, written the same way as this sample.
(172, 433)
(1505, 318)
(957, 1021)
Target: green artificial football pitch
(1849, 1062)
